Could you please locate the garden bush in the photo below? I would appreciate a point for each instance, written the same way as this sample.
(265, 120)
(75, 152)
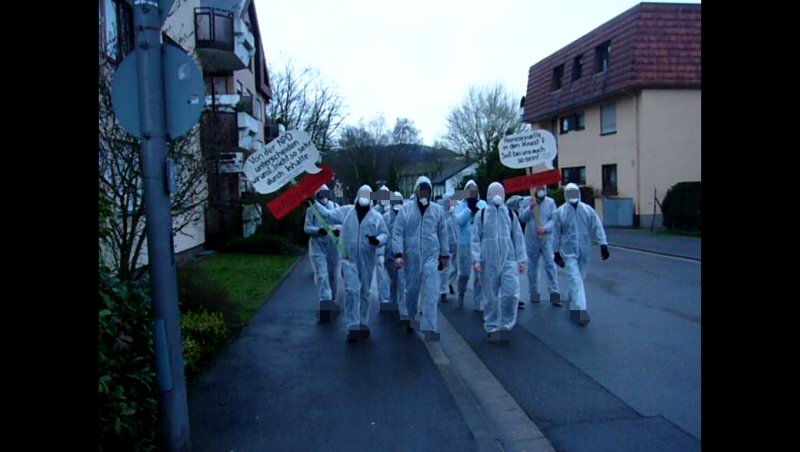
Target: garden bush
(681, 207)
(127, 379)
(203, 334)
(197, 292)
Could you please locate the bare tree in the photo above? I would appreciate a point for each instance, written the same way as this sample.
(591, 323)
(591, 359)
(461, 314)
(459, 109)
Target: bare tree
(303, 99)
(120, 176)
(405, 132)
(484, 116)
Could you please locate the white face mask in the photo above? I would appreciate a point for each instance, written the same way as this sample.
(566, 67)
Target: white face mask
(497, 200)
(540, 194)
(423, 201)
(385, 202)
(573, 201)
(396, 207)
(363, 202)
(323, 200)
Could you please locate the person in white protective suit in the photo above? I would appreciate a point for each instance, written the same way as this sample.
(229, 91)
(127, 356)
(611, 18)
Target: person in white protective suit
(575, 225)
(324, 257)
(397, 277)
(465, 214)
(498, 255)
(383, 206)
(363, 235)
(539, 245)
(448, 276)
(421, 245)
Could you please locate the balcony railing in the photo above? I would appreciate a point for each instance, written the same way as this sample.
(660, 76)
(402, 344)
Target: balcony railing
(214, 29)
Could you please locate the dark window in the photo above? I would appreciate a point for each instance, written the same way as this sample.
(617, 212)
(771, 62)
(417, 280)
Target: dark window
(575, 175)
(609, 179)
(572, 123)
(608, 119)
(580, 121)
(566, 124)
(602, 54)
(558, 76)
(577, 67)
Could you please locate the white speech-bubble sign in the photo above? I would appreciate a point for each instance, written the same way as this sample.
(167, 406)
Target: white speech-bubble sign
(528, 149)
(282, 160)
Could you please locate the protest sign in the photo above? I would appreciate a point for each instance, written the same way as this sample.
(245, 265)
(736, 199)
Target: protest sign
(281, 161)
(528, 149)
(533, 150)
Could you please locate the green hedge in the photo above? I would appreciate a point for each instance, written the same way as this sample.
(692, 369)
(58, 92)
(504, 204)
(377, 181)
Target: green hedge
(681, 207)
(127, 379)
(263, 244)
(203, 334)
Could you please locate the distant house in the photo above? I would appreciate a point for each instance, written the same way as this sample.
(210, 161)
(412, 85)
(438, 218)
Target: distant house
(624, 104)
(445, 176)
(452, 178)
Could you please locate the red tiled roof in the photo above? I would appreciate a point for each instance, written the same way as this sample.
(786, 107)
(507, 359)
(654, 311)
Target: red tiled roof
(653, 45)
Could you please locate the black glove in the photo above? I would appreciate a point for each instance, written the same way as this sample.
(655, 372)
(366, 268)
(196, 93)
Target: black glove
(308, 203)
(559, 261)
(322, 232)
(441, 263)
(336, 232)
(373, 240)
(604, 251)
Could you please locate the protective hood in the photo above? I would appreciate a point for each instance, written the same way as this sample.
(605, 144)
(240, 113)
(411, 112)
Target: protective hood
(324, 187)
(496, 188)
(572, 186)
(420, 180)
(362, 188)
(472, 182)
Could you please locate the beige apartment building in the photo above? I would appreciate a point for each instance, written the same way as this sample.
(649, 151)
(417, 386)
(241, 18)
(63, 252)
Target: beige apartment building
(224, 39)
(624, 104)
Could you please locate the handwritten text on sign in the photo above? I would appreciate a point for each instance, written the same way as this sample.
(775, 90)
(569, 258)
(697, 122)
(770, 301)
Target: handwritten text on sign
(527, 149)
(282, 160)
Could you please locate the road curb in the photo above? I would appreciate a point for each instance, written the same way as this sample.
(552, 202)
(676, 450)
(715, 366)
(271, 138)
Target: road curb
(494, 417)
(660, 253)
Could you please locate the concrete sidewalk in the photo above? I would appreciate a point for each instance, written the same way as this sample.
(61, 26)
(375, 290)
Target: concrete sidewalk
(643, 240)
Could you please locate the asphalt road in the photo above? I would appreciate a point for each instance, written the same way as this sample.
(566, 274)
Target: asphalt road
(629, 381)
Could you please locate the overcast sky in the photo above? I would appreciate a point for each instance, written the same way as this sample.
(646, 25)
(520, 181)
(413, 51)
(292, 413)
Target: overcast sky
(416, 58)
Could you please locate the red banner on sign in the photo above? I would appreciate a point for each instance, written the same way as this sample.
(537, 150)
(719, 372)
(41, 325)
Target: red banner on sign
(518, 184)
(284, 204)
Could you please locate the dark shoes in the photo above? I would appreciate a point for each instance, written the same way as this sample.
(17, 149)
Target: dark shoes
(328, 311)
(389, 308)
(357, 332)
(443, 298)
(502, 336)
(555, 299)
(579, 316)
(431, 336)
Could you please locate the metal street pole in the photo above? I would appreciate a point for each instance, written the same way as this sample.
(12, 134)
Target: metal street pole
(173, 408)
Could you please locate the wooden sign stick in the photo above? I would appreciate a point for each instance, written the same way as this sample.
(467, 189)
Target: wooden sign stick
(536, 207)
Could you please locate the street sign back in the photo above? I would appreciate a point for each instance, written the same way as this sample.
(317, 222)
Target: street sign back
(184, 92)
